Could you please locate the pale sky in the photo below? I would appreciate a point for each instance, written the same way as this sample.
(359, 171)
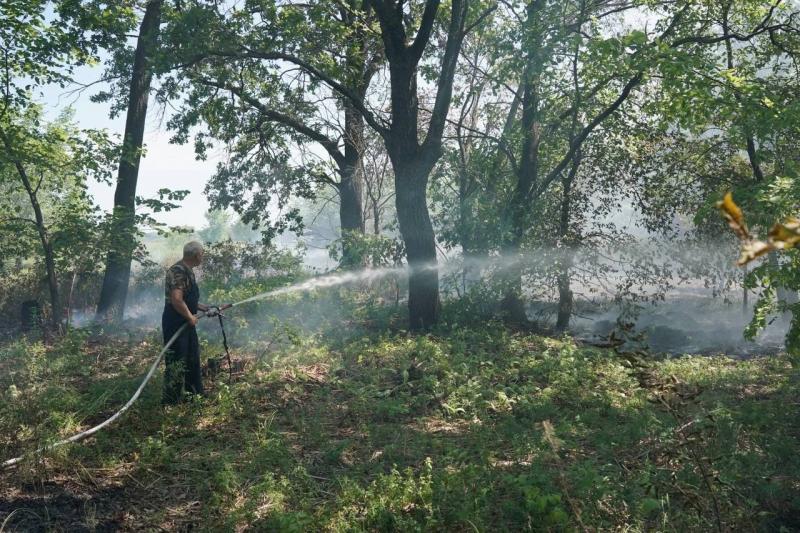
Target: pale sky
(164, 165)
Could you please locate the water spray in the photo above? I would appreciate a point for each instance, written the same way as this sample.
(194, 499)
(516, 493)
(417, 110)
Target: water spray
(327, 281)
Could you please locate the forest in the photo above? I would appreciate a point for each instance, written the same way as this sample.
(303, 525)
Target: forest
(400, 265)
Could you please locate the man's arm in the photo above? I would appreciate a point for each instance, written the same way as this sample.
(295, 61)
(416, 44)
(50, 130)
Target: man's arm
(176, 299)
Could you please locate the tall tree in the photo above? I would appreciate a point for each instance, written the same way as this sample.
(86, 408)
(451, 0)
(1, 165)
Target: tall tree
(114, 291)
(50, 165)
(14, 144)
(412, 159)
(275, 120)
(413, 149)
(618, 65)
(42, 43)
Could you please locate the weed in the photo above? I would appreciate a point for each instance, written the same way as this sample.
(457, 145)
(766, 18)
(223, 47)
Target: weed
(474, 428)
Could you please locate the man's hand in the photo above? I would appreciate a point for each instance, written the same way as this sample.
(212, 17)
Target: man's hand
(216, 310)
(192, 321)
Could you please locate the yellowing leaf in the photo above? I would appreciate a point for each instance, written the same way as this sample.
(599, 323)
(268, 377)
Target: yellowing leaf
(752, 249)
(781, 236)
(786, 235)
(733, 214)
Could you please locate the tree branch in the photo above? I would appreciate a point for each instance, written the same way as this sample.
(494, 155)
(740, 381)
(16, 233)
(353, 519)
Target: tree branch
(444, 91)
(425, 29)
(480, 19)
(575, 145)
(17, 219)
(347, 92)
(330, 146)
(761, 27)
(393, 31)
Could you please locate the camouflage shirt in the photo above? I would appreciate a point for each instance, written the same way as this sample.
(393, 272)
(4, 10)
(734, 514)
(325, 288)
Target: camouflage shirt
(179, 276)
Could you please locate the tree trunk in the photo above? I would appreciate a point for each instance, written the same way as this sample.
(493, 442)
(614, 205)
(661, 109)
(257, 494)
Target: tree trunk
(512, 304)
(413, 161)
(527, 175)
(565, 301)
(412, 166)
(420, 242)
(351, 183)
(47, 249)
(376, 219)
(114, 291)
(565, 297)
(469, 247)
(41, 229)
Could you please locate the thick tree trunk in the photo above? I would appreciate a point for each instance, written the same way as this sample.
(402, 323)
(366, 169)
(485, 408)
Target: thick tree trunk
(413, 161)
(420, 242)
(351, 183)
(114, 291)
(412, 165)
(512, 304)
(350, 208)
(565, 301)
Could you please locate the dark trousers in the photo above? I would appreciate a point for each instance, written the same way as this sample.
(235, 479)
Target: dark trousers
(182, 364)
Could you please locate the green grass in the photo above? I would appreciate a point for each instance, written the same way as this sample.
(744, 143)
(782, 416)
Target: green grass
(471, 429)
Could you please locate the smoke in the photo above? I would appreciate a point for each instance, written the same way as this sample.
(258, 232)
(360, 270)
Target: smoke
(674, 314)
(685, 322)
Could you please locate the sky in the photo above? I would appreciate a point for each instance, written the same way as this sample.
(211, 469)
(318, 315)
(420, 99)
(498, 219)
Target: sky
(163, 165)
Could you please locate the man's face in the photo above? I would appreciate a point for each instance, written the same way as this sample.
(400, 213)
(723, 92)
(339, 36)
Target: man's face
(200, 255)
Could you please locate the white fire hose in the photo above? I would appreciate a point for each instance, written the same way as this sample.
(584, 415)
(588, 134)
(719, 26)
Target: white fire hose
(91, 431)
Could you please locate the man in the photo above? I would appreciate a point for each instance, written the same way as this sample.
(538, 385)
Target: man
(182, 302)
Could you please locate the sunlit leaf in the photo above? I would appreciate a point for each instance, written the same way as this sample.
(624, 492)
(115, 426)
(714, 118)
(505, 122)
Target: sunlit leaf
(733, 214)
(786, 235)
(753, 249)
(780, 237)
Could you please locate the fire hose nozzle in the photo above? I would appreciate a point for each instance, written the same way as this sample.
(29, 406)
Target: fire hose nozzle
(216, 310)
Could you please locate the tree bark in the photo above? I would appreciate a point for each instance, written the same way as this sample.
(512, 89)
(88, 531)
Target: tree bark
(565, 297)
(41, 229)
(566, 300)
(47, 249)
(351, 183)
(420, 242)
(376, 219)
(527, 173)
(114, 291)
(413, 161)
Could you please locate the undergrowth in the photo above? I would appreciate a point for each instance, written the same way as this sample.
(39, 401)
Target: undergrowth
(468, 429)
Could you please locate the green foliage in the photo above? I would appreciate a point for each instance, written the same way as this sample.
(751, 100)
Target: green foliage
(59, 161)
(367, 249)
(470, 428)
(393, 502)
(233, 264)
(778, 277)
(43, 42)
